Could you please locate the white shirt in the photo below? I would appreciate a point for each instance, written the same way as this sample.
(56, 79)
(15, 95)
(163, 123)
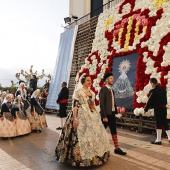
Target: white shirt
(113, 102)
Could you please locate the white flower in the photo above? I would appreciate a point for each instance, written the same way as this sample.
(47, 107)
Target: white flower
(118, 115)
(93, 57)
(139, 100)
(136, 112)
(144, 99)
(141, 110)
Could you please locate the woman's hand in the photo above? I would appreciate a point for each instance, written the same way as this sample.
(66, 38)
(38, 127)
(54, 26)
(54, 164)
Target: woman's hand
(75, 124)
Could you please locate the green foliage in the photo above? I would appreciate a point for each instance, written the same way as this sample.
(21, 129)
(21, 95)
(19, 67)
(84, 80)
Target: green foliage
(13, 89)
(10, 89)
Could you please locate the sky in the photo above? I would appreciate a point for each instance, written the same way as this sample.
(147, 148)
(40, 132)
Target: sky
(29, 35)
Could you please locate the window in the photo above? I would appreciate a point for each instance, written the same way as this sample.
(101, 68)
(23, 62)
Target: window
(96, 7)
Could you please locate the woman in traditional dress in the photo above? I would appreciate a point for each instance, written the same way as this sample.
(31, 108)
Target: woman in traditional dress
(23, 93)
(7, 122)
(83, 140)
(21, 90)
(22, 123)
(37, 117)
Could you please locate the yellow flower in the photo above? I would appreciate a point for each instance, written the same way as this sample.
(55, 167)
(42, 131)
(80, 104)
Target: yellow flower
(120, 35)
(108, 22)
(129, 27)
(144, 29)
(137, 30)
(158, 3)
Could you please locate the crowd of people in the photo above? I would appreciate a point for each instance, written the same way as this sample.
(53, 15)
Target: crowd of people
(21, 112)
(83, 140)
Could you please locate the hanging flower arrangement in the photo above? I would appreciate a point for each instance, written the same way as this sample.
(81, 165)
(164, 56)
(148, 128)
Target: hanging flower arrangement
(133, 26)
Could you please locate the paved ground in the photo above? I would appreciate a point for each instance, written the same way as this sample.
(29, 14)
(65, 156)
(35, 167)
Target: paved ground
(36, 152)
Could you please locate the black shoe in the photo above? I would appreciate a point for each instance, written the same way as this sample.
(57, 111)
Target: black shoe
(119, 151)
(156, 143)
(59, 128)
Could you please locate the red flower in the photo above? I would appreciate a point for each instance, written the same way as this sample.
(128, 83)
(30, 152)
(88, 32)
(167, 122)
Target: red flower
(145, 20)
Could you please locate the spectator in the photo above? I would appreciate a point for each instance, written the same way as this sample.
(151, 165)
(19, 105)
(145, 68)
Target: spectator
(62, 101)
(33, 82)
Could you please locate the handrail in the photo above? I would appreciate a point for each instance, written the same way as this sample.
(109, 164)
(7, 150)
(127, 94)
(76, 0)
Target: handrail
(87, 17)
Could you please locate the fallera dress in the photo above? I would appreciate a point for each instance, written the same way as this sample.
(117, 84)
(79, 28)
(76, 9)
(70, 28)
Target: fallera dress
(38, 120)
(22, 123)
(8, 124)
(15, 122)
(88, 145)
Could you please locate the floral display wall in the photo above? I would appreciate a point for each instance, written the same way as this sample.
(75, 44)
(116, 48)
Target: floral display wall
(141, 26)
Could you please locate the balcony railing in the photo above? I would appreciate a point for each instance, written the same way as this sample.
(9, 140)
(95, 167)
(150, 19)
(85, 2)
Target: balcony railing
(87, 17)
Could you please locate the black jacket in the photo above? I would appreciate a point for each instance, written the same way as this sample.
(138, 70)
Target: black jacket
(106, 102)
(157, 98)
(33, 83)
(64, 94)
(6, 108)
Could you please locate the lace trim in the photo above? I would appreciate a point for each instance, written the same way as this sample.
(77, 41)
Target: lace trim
(93, 138)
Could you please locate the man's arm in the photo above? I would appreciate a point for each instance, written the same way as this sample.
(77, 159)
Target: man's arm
(60, 96)
(102, 100)
(150, 101)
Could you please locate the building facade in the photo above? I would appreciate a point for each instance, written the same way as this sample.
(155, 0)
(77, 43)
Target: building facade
(84, 10)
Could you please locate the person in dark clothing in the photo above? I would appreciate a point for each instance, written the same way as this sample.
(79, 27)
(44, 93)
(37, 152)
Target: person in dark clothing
(108, 110)
(62, 101)
(158, 101)
(33, 82)
(29, 94)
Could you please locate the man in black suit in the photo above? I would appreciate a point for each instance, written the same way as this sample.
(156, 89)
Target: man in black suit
(158, 101)
(62, 101)
(108, 110)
